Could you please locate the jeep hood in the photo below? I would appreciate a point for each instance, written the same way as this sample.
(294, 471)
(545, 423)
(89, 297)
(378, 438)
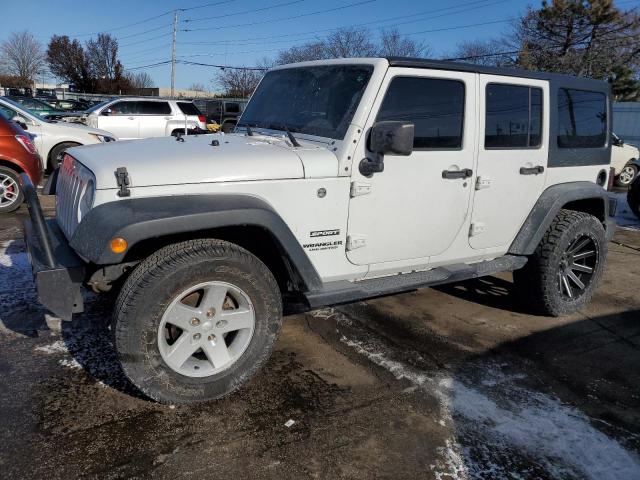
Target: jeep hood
(237, 158)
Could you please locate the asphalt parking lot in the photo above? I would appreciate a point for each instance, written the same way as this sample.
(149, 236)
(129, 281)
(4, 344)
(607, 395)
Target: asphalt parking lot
(455, 382)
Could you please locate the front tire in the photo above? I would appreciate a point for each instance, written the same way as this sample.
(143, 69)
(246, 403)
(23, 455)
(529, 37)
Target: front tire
(567, 266)
(57, 154)
(11, 195)
(633, 197)
(627, 176)
(196, 320)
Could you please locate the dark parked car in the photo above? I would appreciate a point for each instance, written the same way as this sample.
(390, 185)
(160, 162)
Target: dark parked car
(46, 93)
(67, 105)
(633, 197)
(223, 112)
(18, 155)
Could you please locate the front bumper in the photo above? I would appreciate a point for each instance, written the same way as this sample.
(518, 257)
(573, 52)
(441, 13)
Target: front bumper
(58, 272)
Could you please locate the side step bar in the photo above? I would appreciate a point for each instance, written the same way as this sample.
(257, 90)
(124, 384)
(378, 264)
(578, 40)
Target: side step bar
(344, 292)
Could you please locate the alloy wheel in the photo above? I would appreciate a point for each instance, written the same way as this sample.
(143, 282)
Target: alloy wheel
(627, 175)
(206, 329)
(9, 190)
(577, 266)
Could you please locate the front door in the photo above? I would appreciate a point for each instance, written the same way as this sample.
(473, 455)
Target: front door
(512, 159)
(121, 120)
(418, 204)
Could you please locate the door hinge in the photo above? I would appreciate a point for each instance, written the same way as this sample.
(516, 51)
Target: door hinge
(477, 228)
(482, 182)
(356, 241)
(360, 188)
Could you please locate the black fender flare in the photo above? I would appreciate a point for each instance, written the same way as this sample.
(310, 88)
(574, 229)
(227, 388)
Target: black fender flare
(138, 219)
(547, 207)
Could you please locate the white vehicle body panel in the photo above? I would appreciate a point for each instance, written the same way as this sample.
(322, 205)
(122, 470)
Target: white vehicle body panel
(502, 207)
(621, 155)
(49, 134)
(129, 125)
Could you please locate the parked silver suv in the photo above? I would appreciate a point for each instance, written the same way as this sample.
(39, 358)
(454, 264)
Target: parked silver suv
(130, 118)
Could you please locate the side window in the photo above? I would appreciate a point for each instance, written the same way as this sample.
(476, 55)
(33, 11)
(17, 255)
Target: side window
(435, 106)
(153, 108)
(582, 119)
(122, 108)
(514, 116)
(6, 112)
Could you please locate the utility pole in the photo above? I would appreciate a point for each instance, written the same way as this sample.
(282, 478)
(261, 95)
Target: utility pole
(173, 54)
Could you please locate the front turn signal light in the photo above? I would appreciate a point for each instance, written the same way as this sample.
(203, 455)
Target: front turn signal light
(118, 245)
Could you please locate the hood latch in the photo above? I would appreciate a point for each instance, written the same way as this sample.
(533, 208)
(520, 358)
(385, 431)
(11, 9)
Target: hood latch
(122, 178)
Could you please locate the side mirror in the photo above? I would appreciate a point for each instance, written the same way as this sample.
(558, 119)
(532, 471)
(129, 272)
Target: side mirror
(106, 112)
(387, 137)
(20, 121)
(395, 137)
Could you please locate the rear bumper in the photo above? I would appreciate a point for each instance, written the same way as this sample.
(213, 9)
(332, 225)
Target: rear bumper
(58, 272)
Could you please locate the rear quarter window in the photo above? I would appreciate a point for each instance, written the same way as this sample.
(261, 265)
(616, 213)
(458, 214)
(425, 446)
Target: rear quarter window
(582, 119)
(188, 108)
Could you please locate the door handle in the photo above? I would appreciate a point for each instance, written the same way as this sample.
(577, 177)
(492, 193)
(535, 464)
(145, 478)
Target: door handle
(537, 170)
(451, 174)
(130, 118)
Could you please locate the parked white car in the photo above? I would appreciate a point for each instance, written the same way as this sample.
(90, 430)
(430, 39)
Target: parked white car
(52, 137)
(624, 158)
(130, 118)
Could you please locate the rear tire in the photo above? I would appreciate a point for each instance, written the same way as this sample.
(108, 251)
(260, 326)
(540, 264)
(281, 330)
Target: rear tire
(567, 266)
(11, 195)
(209, 296)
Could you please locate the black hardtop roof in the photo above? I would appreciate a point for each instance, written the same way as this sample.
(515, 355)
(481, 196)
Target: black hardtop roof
(561, 79)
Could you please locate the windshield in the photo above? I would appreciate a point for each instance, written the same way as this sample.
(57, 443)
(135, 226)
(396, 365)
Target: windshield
(21, 109)
(313, 100)
(97, 106)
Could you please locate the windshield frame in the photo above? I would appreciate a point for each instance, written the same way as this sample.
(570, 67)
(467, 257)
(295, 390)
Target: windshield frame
(278, 126)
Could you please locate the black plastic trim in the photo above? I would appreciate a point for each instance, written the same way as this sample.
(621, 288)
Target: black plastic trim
(139, 219)
(547, 207)
(335, 293)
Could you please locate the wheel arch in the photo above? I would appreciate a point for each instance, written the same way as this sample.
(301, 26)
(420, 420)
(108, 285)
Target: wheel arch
(151, 223)
(584, 197)
(71, 143)
(12, 165)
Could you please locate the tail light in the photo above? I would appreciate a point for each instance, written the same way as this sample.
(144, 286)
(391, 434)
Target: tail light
(26, 142)
(202, 118)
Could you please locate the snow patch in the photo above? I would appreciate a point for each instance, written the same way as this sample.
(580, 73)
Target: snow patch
(503, 429)
(53, 348)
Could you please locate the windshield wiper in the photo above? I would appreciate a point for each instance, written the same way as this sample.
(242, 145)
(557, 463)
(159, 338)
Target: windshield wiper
(283, 126)
(248, 127)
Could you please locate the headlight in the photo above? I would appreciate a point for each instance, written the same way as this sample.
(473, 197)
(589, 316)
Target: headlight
(102, 138)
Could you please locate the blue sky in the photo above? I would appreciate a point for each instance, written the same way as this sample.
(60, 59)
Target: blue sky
(233, 33)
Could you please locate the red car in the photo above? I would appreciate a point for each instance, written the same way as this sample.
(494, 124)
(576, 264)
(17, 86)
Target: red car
(18, 155)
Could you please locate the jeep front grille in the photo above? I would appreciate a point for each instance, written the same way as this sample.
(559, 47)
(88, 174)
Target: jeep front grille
(69, 189)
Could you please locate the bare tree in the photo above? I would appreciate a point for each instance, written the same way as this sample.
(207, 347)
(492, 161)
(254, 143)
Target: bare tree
(239, 82)
(197, 87)
(102, 57)
(138, 82)
(21, 55)
(493, 52)
(393, 44)
(350, 42)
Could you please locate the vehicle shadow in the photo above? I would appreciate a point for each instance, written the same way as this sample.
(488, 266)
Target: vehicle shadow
(490, 291)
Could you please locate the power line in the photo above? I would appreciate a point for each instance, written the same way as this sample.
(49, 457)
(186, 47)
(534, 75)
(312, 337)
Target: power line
(317, 12)
(478, 4)
(146, 40)
(216, 17)
(222, 67)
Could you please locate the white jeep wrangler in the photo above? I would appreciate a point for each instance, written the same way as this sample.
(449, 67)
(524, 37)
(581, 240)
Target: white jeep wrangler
(345, 179)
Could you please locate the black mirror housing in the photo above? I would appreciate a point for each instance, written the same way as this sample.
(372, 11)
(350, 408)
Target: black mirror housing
(19, 120)
(393, 137)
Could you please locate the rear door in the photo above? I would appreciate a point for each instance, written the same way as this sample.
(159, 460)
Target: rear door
(153, 117)
(512, 159)
(120, 119)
